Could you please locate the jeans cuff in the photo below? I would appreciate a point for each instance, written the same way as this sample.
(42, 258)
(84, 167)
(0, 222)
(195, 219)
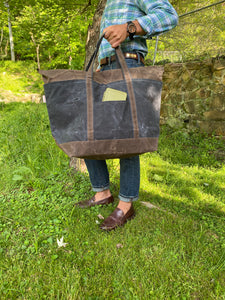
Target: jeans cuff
(128, 199)
(100, 189)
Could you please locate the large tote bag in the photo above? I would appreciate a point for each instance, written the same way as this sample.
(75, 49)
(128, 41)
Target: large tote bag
(100, 115)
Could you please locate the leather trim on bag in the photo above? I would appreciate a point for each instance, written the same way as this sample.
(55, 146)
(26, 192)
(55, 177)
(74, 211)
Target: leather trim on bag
(105, 149)
(130, 91)
(153, 72)
(90, 100)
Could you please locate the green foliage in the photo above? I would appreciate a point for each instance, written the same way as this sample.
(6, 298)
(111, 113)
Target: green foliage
(191, 148)
(198, 36)
(50, 32)
(59, 34)
(25, 143)
(173, 250)
(18, 79)
(54, 32)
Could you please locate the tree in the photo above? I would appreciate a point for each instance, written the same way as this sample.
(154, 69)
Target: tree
(10, 32)
(53, 35)
(4, 37)
(94, 31)
(51, 32)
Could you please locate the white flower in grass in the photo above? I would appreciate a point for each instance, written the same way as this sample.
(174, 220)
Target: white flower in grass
(60, 243)
(100, 217)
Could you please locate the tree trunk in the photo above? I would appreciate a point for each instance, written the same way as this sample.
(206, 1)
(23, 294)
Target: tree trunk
(38, 57)
(93, 32)
(92, 38)
(10, 32)
(2, 33)
(37, 46)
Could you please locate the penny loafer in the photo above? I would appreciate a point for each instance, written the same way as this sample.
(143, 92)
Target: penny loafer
(91, 202)
(117, 218)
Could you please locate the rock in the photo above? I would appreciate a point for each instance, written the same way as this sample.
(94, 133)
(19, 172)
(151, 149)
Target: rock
(215, 115)
(77, 164)
(212, 127)
(195, 91)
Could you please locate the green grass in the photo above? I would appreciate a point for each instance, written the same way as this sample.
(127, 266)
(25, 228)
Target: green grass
(19, 80)
(175, 250)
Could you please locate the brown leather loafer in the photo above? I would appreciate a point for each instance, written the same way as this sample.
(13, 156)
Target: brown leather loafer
(117, 218)
(91, 202)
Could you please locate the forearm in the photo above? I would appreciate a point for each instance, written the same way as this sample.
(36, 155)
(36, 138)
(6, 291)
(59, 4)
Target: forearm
(116, 34)
(158, 18)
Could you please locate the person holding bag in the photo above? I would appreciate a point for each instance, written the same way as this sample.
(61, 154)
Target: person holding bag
(125, 23)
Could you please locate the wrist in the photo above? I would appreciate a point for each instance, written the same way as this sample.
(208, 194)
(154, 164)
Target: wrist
(139, 30)
(131, 29)
(125, 29)
(134, 28)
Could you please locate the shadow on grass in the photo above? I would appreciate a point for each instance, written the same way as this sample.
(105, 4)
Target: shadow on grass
(191, 147)
(198, 195)
(182, 208)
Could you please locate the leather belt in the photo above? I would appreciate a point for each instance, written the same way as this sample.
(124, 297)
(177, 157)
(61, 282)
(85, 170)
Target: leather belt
(112, 58)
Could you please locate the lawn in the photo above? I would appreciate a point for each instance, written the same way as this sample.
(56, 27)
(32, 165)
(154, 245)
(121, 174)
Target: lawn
(20, 81)
(173, 249)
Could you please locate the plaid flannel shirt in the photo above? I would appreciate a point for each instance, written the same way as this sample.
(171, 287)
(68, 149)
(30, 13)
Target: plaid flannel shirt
(155, 17)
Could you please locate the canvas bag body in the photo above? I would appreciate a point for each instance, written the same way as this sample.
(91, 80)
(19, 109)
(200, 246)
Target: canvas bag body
(87, 123)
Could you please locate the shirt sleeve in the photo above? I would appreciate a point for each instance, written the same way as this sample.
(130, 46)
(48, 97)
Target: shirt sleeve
(158, 17)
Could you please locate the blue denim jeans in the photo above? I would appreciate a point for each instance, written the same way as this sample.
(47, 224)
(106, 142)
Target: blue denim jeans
(129, 167)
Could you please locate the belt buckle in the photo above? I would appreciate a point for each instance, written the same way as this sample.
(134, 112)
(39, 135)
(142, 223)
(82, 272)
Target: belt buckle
(131, 55)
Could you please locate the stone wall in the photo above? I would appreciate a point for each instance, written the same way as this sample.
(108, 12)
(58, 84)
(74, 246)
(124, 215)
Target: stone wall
(193, 95)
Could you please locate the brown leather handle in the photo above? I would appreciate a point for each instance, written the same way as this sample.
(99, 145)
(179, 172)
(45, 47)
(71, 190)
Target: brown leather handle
(94, 55)
(130, 90)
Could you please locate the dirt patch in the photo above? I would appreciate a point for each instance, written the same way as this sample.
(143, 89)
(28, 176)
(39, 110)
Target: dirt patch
(8, 96)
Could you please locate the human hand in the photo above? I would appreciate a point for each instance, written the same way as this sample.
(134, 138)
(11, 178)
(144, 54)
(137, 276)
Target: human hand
(116, 34)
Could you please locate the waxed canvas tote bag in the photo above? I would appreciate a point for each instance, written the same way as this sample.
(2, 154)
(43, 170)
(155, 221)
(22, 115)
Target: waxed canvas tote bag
(109, 114)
